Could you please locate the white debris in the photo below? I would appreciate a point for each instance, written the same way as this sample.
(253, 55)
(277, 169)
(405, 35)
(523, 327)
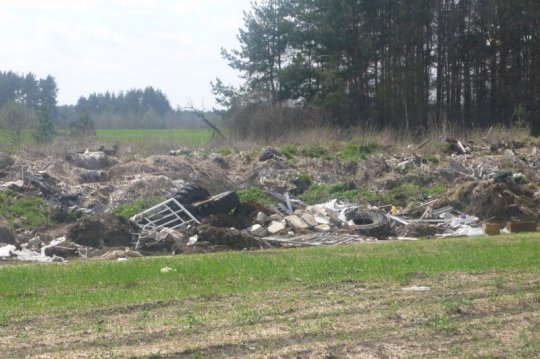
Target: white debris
(193, 240)
(7, 250)
(262, 218)
(257, 230)
(310, 220)
(167, 270)
(323, 228)
(296, 222)
(416, 288)
(276, 227)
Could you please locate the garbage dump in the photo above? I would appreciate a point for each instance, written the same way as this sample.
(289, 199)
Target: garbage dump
(488, 189)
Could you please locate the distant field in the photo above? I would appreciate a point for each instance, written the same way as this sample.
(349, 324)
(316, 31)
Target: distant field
(483, 300)
(178, 136)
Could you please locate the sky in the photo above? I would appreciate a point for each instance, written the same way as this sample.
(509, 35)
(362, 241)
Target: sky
(93, 46)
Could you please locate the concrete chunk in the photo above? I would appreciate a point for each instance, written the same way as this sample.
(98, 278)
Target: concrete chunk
(296, 222)
(257, 230)
(323, 228)
(276, 227)
(310, 220)
(262, 218)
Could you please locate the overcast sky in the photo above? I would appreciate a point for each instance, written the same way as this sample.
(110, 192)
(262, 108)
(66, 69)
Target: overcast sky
(96, 45)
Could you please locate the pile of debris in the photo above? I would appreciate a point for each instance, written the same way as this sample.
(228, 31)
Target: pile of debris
(488, 188)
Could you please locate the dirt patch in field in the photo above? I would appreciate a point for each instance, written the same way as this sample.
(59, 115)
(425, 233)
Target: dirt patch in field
(463, 315)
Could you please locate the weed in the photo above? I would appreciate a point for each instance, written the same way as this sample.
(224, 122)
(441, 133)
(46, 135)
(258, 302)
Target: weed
(128, 210)
(254, 194)
(499, 282)
(289, 151)
(432, 158)
(19, 211)
(441, 324)
(412, 192)
(355, 152)
(316, 151)
(226, 151)
(302, 182)
(458, 306)
(249, 317)
(322, 193)
(192, 320)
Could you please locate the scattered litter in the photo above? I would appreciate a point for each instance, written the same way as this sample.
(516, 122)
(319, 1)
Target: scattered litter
(167, 270)
(416, 288)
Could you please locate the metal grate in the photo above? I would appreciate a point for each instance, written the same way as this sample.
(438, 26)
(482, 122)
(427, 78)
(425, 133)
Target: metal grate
(170, 214)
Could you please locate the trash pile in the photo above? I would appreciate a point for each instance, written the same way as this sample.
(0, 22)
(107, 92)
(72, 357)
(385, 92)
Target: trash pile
(490, 189)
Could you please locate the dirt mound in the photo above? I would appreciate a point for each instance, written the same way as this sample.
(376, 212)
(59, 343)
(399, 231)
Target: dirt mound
(231, 238)
(7, 236)
(199, 170)
(224, 221)
(418, 230)
(496, 200)
(91, 160)
(101, 231)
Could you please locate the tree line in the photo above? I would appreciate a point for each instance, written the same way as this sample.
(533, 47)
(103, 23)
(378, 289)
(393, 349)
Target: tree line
(28, 105)
(135, 108)
(27, 102)
(404, 64)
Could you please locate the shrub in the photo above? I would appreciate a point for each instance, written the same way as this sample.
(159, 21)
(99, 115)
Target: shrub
(255, 194)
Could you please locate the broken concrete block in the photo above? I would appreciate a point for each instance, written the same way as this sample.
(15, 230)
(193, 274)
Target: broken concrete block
(276, 217)
(262, 218)
(296, 222)
(276, 227)
(257, 230)
(310, 220)
(323, 228)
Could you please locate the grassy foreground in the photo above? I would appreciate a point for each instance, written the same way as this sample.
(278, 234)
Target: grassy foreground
(316, 301)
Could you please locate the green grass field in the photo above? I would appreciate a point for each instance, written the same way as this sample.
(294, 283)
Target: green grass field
(26, 289)
(186, 136)
(348, 301)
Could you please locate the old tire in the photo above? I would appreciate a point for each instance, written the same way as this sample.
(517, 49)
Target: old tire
(371, 223)
(191, 193)
(221, 203)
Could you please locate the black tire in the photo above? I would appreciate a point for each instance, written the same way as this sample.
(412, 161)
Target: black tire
(191, 193)
(221, 203)
(372, 224)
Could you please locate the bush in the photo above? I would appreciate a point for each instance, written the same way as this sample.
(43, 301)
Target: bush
(84, 126)
(269, 122)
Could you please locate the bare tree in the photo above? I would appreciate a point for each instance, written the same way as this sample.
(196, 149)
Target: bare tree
(200, 114)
